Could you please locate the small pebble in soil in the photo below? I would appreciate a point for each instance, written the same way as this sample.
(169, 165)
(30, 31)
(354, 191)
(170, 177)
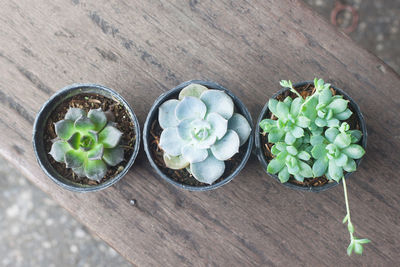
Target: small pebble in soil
(132, 202)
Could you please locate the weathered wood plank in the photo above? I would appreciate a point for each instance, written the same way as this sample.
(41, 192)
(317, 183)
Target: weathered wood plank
(142, 48)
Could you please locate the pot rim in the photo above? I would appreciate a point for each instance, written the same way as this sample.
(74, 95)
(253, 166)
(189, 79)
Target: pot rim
(47, 109)
(264, 162)
(154, 111)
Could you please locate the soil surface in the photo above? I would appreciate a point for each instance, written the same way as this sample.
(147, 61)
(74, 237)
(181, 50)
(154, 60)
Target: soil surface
(86, 102)
(182, 176)
(304, 91)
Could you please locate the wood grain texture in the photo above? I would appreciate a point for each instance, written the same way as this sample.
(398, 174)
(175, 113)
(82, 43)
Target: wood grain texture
(143, 48)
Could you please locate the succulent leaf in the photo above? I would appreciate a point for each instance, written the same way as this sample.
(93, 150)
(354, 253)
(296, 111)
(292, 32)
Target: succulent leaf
(218, 124)
(58, 150)
(110, 136)
(84, 124)
(64, 129)
(171, 142)
(241, 126)
(74, 140)
(95, 169)
(98, 118)
(175, 162)
(166, 114)
(354, 151)
(185, 128)
(96, 153)
(192, 154)
(190, 108)
(320, 166)
(74, 113)
(193, 89)
(113, 156)
(228, 146)
(74, 158)
(218, 102)
(208, 170)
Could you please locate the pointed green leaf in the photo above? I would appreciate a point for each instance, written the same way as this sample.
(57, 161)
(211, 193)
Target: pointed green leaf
(219, 102)
(241, 126)
(305, 170)
(303, 155)
(209, 170)
(354, 151)
(345, 218)
(319, 151)
(342, 140)
(350, 166)
(341, 160)
(325, 96)
(363, 241)
(282, 110)
(64, 129)
(275, 136)
(275, 165)
(110, 136)
(84, 124)
(228, 146)
(344, 115)
(113, 156)
(350, 227)
(74, 113)
(96, 152)
(350, 248)
(95, 169)
(194, 90)
(355, 136)
(303, 121)
(272, 104)
(267, 125)
(98, 118)
(58, 150)
(358, 248)
(74, 140)
(74, 158)
(309, 108)
(316, 139)
(288, 101)
(175, 162)
(80, 171)
(295, 106)
(335, 171)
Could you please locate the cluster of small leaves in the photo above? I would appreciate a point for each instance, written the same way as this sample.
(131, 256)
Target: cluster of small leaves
(87, 143)
(201, 131)
(311, 139)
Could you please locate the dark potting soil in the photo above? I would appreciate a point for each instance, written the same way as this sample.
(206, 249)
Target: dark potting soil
(304, 91)
(87, 102)
(182, 176)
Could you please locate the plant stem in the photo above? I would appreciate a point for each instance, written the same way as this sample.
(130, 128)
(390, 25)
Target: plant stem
(347, 205)
(294, 91)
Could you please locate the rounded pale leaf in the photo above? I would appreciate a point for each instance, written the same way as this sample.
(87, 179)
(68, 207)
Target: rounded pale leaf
(320, 122)
(96, 152)
(351, 166)
(331, 134)
(344, 115)
(333, 123)
(354, 151)
(303, 121)
(226, 147)
(272, 103)
(190, 108)
(209, 170)
(58, 150)
(284, 175)
(335, 172)
(320, 166)
(110, 136)
(282, 110)
(241, 126)
(113, 156)
(175, 163)
(218, 102)
(84, 124)
(95, 169)
(341, 160)
(342, 140)
(74, 158)
(289, 138)
(316, 139)
(171, 142)
(325, 96)
(74, 113)
(338, 105)
(206, 143)
(292, 150)
(319, 151)
(305, 169)
(64, 129)
(295, 107)
(219, 125)
(193, 89)
(266, 124)
(185, 129)
(193, 154)
(297, 132)
(275, 135)
(303, 155)
(355, 136)
(166, 114)
(98, 118)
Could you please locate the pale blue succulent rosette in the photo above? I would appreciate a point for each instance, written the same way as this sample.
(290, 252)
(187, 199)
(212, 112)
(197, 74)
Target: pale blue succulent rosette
(201, 131)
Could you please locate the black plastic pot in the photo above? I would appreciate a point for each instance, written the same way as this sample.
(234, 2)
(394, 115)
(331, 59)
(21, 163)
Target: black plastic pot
(173, 93)
(41, 120)
(259, 151)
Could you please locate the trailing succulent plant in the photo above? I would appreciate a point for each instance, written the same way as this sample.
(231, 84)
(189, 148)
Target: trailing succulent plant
(201, 131)
(87, 143)
(311, 139)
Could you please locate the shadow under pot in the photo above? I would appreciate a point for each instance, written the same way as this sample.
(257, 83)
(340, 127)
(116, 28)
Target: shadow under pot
(315, 184)
(198, 136)
(86, 137)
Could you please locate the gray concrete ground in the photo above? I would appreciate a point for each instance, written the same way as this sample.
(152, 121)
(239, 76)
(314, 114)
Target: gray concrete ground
(30, 222)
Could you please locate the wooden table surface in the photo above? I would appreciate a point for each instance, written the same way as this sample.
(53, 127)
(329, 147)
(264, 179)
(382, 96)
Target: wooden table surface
(142, 49)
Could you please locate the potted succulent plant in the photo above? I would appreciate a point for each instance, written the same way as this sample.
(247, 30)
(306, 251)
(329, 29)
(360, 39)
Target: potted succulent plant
(86, 137)
(198, 135)
(312, 136)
